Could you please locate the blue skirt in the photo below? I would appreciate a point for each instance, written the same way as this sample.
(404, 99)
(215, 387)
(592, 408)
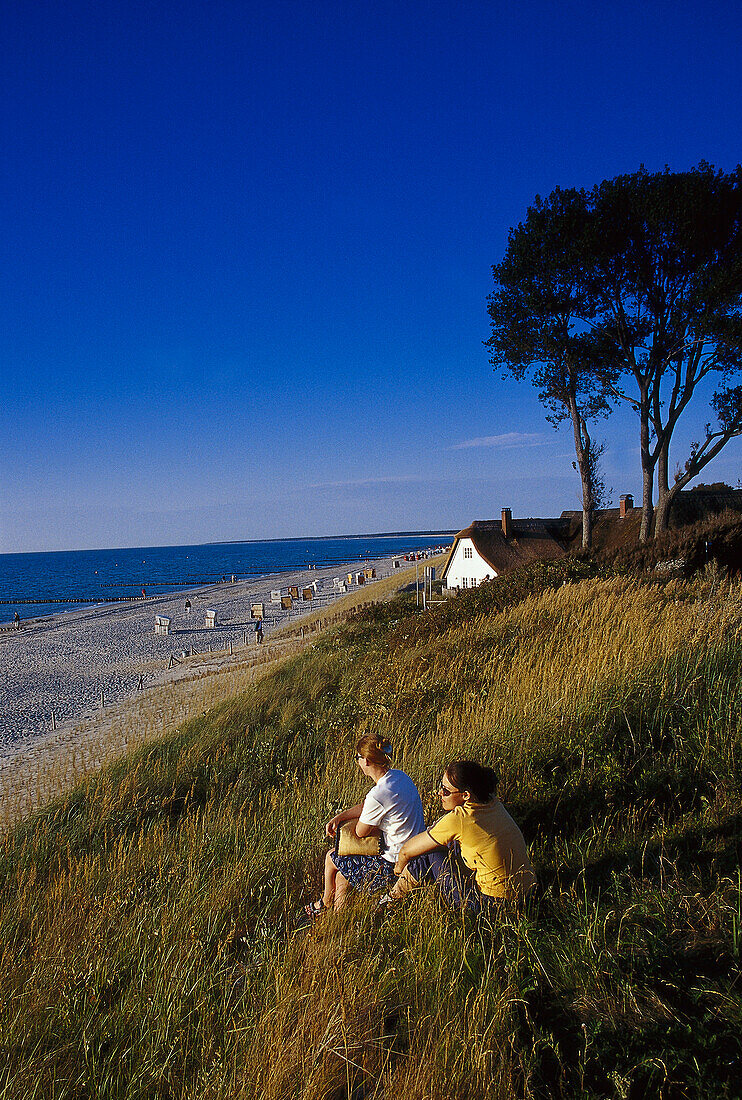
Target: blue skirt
(374, 874)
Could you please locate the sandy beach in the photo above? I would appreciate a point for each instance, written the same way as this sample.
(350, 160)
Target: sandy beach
(57, 671)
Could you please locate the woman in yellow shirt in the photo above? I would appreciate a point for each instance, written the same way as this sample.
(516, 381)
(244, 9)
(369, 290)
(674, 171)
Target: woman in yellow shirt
(491, 845)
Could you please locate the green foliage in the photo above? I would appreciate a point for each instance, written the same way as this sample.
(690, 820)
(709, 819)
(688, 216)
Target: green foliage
(541, 313)
(631, 292)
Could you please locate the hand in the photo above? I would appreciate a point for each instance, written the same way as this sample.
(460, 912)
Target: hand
(400, 865)
(331, 827)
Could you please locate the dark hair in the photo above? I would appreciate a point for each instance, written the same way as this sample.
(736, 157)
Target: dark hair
(467, 775)
(375, 749)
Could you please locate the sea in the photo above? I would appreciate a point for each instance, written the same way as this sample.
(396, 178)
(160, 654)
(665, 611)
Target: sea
(41, 584)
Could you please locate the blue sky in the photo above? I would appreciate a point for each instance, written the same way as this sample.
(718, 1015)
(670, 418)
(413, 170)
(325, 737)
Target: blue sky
(247, 247)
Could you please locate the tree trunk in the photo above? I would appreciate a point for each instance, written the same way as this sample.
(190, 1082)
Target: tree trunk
(582, 451)
(663, 477)
(587, 512)
(645, 529)
(665, 495)
(662, 511)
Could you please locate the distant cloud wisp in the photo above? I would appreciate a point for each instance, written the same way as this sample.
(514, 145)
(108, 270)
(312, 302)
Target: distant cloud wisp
(509, 439)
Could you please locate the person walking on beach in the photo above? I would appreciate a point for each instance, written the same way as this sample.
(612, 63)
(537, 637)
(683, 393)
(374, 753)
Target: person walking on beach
(188, 607)
(17, 621)
(259, 631)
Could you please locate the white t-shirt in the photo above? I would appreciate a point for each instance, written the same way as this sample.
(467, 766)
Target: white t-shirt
(394, 806)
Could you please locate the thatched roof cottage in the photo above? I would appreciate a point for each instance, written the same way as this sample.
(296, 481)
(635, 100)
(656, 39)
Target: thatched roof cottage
(487, 548)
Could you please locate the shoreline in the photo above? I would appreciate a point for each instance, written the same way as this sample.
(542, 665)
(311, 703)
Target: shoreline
(68, 593)
(57, 668)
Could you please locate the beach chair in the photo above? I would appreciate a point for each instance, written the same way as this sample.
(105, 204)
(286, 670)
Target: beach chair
(211, 618)
(162, 624)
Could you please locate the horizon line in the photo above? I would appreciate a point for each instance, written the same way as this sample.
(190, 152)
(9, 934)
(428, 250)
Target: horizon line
(238, 542)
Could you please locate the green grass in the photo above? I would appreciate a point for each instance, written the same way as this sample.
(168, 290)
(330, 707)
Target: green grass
(146, 919)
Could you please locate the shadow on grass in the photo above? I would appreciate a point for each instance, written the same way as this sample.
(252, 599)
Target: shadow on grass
(701, 853)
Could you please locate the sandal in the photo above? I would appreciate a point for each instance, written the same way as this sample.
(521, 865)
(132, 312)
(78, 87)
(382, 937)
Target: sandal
(314, 909)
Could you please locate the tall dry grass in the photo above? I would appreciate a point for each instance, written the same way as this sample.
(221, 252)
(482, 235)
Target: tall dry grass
(146, 920)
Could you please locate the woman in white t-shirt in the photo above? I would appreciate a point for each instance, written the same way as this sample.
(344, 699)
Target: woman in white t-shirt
(391, 810)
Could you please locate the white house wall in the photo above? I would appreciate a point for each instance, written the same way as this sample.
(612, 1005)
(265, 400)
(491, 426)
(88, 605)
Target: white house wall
(467, 570)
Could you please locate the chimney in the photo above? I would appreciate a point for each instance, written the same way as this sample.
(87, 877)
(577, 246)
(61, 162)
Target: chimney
(626, 503)
(507, 522)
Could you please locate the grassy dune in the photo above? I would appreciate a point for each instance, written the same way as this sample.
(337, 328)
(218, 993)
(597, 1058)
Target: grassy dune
(145, 920)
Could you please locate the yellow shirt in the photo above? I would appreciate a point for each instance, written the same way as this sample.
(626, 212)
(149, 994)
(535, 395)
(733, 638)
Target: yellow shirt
(492, 846)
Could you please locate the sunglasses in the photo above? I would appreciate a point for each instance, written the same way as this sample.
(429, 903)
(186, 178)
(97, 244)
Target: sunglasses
(446, 791)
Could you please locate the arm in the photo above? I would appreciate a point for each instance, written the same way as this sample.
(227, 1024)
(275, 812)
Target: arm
(351, 814)
(415, 846)
(373, 810)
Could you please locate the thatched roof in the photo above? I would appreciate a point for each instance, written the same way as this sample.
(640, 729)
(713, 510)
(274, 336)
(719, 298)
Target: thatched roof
(546, 539)
(530, 541)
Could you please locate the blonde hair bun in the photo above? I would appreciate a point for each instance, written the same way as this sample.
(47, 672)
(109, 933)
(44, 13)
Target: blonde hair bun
(375, 749)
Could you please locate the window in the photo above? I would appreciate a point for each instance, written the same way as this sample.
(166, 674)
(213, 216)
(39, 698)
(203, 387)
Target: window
(464, 582)
(467, 551)
(474, 582)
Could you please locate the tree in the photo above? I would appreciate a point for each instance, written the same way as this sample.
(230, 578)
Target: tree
(666, 285)
(639, 281)
(541, 312)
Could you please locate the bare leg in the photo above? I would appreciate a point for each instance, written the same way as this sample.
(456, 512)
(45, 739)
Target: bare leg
(341, 889)
(336, 885)
(331, 873)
